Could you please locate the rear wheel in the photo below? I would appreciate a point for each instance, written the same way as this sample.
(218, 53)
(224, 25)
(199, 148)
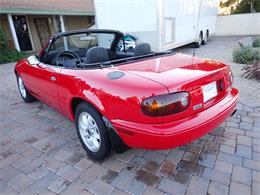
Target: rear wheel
(199, 42)
(206, 38)
(27, 97)
(91, 131)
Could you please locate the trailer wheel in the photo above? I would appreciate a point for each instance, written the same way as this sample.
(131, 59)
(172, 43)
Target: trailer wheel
(204, 42)
(199, 42)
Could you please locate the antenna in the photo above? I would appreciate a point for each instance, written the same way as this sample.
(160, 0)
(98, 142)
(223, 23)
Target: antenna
(198, 22)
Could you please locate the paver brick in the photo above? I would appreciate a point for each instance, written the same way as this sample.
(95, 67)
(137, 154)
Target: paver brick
(207, 160)
(198, 186)
(217, 189)
(59, 185)
(239, 189)
(32, 165)
(147, 178)
(54, 164)
(113, 164)
(123, 180)
(136, 187)
(70, 173)
(108, 176)
(171, 187)
(38, 172)
(21, 182)
(244, 140)
(44, 182)
(126, 156)
(255, 188)
(8, 173)
(191, 168)
(93, 172)
(233, 159)
(216, 175)
(244, 151)
(251, 164)
(167, 169)
(154, 156)
(83, 164)
(256, 176)
(227, 149)
(152, 191)
(241, 175)
(223, 166)
(151, 166)
(175, 156)
(182, 177)
(99, 187)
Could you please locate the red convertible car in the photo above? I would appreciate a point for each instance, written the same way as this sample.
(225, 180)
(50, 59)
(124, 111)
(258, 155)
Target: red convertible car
(120, 99)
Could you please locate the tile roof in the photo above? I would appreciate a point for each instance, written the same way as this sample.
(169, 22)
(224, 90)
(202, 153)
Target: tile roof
(70, 7)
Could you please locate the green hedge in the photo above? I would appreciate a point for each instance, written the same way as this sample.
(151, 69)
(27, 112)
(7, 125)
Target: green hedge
(8, 54)
(11, 55)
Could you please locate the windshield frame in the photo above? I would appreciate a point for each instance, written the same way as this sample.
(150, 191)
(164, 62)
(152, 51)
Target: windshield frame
(118, 36)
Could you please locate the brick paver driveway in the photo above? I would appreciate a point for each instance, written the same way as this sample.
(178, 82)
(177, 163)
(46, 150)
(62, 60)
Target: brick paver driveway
(40, 153)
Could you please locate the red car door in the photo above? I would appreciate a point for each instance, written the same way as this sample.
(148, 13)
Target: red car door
(42, 81)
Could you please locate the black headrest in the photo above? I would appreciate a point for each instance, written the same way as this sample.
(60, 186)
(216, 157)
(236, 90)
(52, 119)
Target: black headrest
(97, 54)
(142, 49)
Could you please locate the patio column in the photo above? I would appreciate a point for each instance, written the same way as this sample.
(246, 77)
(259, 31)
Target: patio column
(63, 30)
(15, 39)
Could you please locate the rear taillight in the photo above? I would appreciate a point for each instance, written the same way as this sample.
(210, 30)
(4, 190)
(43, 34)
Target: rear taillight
(167, 104)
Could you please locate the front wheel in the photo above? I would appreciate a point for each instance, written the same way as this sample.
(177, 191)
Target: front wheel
(91, 131)
(27, 97)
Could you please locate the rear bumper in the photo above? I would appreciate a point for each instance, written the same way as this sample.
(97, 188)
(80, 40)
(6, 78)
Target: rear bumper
(176, 133)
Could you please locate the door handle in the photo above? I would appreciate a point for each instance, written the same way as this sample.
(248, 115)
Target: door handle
(53, 78)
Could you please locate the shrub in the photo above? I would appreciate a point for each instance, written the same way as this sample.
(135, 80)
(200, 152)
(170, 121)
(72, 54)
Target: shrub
(11, 55)
(256, 42)
(8, 54)
(245, 55)
(2, 39)
(252, 71)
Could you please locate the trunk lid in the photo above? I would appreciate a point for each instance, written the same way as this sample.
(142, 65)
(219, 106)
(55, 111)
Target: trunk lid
(181, 72)
(178, 72)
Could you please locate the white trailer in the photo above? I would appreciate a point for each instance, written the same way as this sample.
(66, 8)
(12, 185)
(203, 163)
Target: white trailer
(164, 24)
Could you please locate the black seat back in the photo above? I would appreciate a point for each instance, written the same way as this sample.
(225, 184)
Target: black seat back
(142, 49)
(96, 55)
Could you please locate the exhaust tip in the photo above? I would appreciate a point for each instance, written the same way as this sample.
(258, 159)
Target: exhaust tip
(234, 112)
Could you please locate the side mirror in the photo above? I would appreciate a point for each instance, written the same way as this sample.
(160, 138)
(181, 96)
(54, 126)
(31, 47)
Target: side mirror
(33, 60)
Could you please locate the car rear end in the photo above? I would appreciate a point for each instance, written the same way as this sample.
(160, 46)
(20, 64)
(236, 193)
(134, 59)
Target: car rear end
(200, 97)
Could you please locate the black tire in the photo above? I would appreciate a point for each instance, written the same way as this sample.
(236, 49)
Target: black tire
(199, 42)
(205, 41)
(105, 147)
(27, 97)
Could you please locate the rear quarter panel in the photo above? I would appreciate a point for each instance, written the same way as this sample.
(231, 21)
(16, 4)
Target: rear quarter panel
(115, 99)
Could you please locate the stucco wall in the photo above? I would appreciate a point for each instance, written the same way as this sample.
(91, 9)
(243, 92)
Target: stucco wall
(239, 24)
(5, 25)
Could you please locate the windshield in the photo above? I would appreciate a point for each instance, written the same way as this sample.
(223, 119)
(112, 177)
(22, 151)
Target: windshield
(83, 41)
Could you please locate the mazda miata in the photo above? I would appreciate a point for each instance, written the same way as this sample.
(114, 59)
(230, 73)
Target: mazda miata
(120, 99)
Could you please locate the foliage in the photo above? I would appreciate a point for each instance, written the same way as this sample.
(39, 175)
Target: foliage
(252, 71)
(241, 6)
(256, 42)
(11, 55)
(8, 54)
(245, 55)
(2, 39)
